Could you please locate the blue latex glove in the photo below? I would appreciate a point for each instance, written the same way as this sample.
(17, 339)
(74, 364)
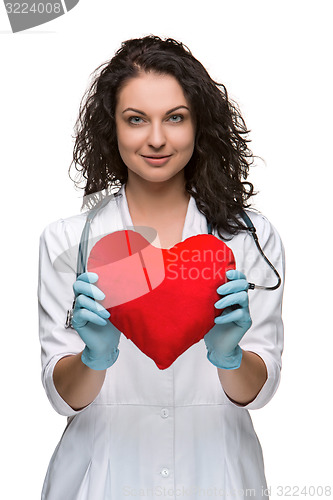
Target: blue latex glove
(222, 340)
(90, 320)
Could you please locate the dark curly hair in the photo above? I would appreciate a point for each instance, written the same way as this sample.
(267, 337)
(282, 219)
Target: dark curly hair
(221, 157)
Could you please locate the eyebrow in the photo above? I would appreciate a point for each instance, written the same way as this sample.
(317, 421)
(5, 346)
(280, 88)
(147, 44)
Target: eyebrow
(167, 113)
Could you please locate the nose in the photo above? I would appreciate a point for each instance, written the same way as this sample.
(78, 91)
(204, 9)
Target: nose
(156, 137)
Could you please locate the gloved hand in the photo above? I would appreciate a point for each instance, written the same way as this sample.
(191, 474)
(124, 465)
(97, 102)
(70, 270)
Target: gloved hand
(90, 320)
(222, 340)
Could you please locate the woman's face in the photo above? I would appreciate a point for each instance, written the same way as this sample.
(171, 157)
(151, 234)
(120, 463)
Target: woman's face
(154, 119)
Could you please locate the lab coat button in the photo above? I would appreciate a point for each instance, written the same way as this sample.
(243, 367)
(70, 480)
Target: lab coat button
(164, 413)
(165, 472)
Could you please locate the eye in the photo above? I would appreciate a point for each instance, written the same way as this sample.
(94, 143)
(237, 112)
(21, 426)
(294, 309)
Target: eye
(177, 116)
(134, 122)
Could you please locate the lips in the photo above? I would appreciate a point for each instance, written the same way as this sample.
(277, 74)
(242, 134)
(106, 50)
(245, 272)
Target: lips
(156, 161)
(156, 157)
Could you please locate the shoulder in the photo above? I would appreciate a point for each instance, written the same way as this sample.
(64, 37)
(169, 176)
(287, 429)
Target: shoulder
(264, 228)
(66, 232)
(268, 237)
(58, 246)
(61, 234)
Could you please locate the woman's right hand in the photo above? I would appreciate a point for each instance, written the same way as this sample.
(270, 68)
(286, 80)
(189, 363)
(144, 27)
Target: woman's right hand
(90, 320)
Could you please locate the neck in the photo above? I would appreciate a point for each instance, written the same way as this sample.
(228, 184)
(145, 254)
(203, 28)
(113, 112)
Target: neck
(157, 198)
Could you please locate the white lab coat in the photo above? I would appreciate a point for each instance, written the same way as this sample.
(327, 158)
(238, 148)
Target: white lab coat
(154, 433)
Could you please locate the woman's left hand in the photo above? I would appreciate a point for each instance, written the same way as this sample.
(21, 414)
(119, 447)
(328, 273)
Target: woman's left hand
(222, 340)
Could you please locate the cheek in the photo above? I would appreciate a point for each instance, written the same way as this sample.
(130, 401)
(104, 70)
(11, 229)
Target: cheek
(184, 139)
(127, 140)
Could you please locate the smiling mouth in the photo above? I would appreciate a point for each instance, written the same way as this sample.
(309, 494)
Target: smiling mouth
(156, 157)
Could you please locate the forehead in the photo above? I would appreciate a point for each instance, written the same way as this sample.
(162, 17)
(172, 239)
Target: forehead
(152, 91)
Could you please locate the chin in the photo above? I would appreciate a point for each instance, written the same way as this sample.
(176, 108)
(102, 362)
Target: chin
(157, 174)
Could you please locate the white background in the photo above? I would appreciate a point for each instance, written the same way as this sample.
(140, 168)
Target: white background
(275, 59)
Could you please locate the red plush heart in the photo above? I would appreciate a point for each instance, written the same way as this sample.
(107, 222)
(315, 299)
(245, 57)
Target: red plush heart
(161, 299)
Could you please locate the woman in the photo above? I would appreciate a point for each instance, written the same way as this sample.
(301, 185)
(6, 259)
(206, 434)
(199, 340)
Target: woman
(155, 124)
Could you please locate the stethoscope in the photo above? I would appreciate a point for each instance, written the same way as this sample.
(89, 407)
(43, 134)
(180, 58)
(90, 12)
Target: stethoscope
(83, 250)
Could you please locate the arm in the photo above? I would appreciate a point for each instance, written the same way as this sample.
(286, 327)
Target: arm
(79, 378)
(68, 381)
(76, 383)
(243, 384)
(250, 374)
(241, 373)
(266, 335)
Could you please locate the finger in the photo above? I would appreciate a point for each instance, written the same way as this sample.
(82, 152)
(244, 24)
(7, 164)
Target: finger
(88, 277)
(82, 301)
(238, 298)
(234, 274)
(85, 288)
(83, 316)
(230, 309)
(236, 316)
(233, 286)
